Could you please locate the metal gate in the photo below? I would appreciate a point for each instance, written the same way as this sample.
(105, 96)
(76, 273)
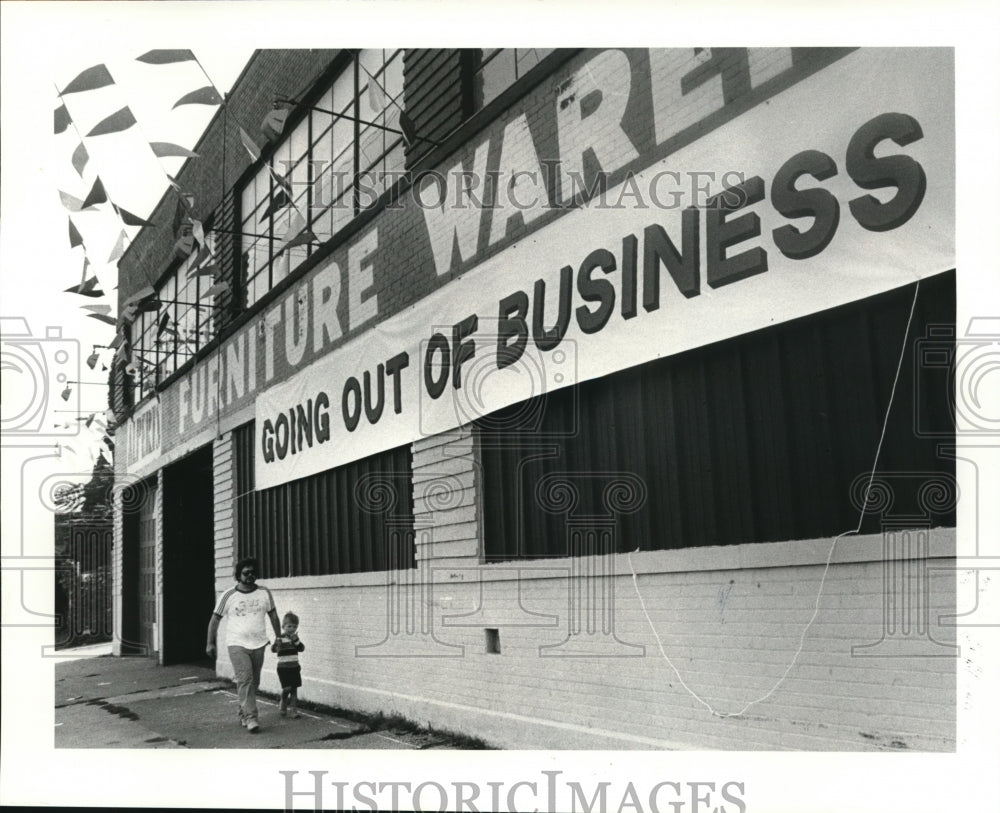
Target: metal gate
(84, 602)
(147, 575)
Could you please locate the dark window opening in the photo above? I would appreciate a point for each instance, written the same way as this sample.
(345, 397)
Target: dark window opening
(354, 518)
(765, 437)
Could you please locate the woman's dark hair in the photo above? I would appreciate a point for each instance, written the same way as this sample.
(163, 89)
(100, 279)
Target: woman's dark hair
(242, 563)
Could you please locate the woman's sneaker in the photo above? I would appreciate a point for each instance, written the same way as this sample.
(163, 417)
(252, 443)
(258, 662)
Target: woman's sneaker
(252, 726)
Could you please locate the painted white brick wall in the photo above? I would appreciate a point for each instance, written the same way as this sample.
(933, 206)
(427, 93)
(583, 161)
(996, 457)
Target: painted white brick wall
(224, 503)
(730, 620)
(116, 559)
(445, 513)
(158, 496)
(224, 483)
(731, 635)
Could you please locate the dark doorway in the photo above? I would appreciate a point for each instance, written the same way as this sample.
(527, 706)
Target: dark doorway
(188, 557)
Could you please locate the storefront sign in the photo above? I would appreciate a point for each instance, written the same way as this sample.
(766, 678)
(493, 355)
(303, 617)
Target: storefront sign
(847, 190)
(141, 443)
(733, 199)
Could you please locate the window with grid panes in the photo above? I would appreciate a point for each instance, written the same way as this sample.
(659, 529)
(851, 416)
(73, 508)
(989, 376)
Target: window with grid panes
(336, 168)
(499, 68)
(166, 356)
(159, 354)
(144, 357)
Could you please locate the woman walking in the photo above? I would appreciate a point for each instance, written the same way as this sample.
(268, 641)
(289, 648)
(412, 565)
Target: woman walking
(245, 608)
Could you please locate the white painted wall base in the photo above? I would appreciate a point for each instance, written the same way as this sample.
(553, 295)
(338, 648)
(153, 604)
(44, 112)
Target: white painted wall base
(731, 634)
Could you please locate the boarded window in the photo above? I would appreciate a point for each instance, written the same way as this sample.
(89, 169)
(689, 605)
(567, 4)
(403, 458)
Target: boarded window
(357, 517)
(764, 437)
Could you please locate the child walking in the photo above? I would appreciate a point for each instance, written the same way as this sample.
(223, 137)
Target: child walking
(288, 646)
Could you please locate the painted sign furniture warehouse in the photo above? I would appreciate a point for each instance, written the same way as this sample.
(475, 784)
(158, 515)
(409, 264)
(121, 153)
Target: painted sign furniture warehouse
(575, 387)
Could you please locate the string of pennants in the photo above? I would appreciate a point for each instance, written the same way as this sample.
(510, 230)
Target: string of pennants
(97, 77)
(104, 423)
(122, 119)
(189, 233)
(91, 79)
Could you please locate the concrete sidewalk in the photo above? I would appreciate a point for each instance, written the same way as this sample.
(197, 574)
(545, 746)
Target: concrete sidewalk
(107, 702)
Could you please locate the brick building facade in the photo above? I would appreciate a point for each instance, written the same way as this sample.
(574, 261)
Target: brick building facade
(551, 405)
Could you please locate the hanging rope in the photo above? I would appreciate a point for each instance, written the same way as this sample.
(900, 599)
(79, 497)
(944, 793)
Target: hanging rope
(826, 568)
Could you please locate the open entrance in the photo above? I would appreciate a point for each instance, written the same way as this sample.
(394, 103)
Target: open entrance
(188, 557)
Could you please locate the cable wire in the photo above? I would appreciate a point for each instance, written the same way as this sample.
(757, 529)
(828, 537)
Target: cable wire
(826, 568)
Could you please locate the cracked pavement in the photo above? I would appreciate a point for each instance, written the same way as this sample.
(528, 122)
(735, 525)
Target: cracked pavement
(108, 702)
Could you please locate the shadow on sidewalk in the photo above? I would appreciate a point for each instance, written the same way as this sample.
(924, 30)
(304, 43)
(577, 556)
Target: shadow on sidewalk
(103, 701)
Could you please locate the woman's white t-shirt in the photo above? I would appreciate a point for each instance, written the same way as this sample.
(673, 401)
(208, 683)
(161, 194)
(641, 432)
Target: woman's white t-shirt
(246, 616)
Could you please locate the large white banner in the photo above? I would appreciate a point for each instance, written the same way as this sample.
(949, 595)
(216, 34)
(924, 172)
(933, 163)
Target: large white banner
(847, 191)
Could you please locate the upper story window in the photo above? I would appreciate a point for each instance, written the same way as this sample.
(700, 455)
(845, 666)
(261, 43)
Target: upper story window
(164, 339)
(499, 68)
(335, 165)
(144, 354)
